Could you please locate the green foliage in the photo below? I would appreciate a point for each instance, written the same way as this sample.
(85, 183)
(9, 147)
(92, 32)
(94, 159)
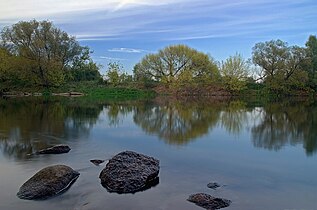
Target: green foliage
(311, 45)
(282, 66)
(5, 59)
(13, 70)
(83, 68)
(234, 71)
(116, 76)
(113, 73)
(46, 55)
(175, 64)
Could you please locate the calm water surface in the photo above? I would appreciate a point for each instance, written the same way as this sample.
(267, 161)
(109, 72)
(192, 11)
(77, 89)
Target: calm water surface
(264, 154)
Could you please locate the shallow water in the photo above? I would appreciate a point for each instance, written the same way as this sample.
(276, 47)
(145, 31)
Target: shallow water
(264, 153)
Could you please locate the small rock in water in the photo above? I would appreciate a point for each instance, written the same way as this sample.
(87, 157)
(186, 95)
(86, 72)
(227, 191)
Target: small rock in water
(129, 172)
(48, 182)
(208, 202)
(58, 149)
(213, 185)
(97, 162)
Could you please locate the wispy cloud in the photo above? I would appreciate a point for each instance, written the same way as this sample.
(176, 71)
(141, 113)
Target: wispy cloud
(164, 19)
(112, 58)
(128, 50)
(14, 9)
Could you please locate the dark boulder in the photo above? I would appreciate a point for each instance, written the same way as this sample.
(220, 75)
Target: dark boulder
(129, 172)
(48, 182)
(208, 202)
(57, 149)
(97, 162)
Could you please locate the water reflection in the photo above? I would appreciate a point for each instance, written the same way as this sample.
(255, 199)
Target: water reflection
(287, 123)
(116, 112)
(272, 126)
(177, 122)
(234, 116)
(27, 125)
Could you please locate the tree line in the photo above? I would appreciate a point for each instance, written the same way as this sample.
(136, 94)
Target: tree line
(275, 66)
(280, 68)
(38, 54)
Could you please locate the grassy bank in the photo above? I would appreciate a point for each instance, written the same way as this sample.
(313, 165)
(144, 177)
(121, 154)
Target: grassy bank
(132, 91)
(94, 90)
(91, 89)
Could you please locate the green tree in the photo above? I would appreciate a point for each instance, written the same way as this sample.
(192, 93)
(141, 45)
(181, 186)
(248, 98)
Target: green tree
(4, 64)
(281, 65)
(113, 73)
(311, 45)
(47, 50)
(13, 70)
(234, 71)
(116, 75)
(270, 56)
(83, 68)
(176, 63)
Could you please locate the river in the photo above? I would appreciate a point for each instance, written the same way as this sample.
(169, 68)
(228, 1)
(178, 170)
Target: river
(264, 154)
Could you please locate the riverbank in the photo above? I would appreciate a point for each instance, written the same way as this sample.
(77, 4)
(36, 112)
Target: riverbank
(89, 89)
(94, 89)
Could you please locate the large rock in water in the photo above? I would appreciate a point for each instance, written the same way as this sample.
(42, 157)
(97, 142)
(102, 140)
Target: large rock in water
(58, 149)
(129, 172)
(48, 182)
(209, 202)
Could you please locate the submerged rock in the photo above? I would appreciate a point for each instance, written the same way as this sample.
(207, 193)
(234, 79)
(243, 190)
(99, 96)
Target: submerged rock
(213, 185)
(129, 172)
(97, 162)
(208, 202)
(57, 149)
(48, 182)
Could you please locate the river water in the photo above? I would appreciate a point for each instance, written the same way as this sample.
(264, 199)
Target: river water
(265, 154)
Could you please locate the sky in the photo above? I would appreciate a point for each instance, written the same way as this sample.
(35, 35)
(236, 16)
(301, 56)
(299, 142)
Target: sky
(126, 30)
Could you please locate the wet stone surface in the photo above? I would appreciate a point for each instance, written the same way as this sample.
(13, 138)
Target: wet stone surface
(208, 202)
(213, 185)
(97, 162)
(48, 182)
(57, 149)
(129, 172)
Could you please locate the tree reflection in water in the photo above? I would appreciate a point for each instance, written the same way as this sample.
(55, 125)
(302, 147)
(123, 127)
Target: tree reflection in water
(28, 124)
(272, 125)
(234, 116)
(178, 122)
(287, 123)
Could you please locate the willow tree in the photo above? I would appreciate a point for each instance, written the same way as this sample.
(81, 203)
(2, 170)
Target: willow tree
(235, 71)
(177, 64)
(282, 65)
(47, 50)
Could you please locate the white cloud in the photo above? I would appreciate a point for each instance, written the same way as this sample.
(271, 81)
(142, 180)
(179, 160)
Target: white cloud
(167, 20)
(112, 58)
(127, 50)
(28, 9)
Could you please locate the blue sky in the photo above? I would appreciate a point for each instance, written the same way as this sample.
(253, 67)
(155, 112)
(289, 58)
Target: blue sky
(126, 30)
